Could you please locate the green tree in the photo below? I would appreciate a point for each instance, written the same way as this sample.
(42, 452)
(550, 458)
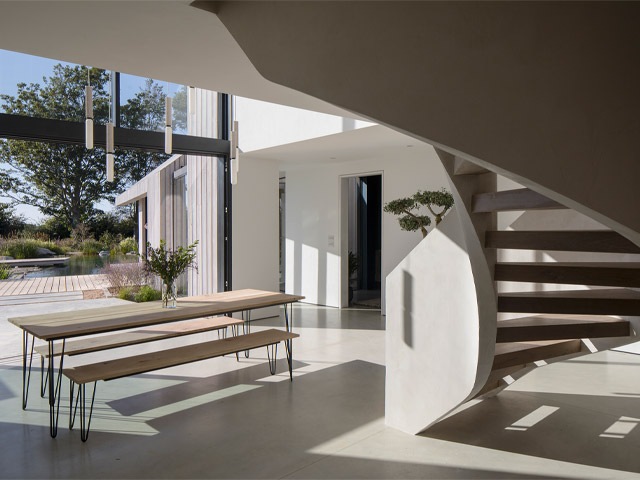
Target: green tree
(408, 209)
(9, 221)
(144, 111)
(66, 181)
(61, 180)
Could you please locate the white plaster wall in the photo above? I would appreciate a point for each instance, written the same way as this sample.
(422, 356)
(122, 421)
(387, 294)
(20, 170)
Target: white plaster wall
(264, 125)
(255, 229)
(313, 266)
(434, 341)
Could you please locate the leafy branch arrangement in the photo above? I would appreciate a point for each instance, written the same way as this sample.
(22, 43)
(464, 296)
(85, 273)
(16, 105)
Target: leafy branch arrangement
(411, 219)
(169, 264)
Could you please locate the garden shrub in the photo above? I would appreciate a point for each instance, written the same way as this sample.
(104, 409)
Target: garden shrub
(130, 275)
(129, 244)
(5, 272)
(125, 293)
(91, 247)
(147, 294)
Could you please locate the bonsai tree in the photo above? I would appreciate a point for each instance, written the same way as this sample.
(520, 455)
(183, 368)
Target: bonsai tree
(411, 219)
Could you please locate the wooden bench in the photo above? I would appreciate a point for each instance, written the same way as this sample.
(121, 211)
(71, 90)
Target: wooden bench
(134, 337)
(147, 362)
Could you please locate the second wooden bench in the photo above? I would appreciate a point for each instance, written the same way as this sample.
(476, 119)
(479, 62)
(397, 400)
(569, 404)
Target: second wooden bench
(147, 362)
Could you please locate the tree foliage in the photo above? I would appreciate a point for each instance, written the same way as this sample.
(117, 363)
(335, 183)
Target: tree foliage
(61, 180)
(169, 264)
(66, 181)
(408, 209)
(10, 222)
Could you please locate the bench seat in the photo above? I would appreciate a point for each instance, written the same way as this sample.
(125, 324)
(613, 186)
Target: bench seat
(141, 335)
(147, 362)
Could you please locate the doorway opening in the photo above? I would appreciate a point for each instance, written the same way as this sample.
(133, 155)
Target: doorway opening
(364, 240)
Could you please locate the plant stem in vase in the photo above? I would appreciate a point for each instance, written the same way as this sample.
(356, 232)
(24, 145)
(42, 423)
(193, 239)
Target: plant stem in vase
(169, 295)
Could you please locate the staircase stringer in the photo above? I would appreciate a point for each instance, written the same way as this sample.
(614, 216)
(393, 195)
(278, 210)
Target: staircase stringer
(483, 260)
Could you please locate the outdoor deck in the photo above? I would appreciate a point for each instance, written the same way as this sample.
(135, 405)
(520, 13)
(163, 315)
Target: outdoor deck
(71, 283)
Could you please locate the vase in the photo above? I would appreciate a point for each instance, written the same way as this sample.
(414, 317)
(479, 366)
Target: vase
(169, 295)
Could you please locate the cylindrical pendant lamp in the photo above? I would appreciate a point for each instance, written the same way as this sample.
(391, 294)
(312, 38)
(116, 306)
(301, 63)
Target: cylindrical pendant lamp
(168, 133)
(88, 123)
(110, 150)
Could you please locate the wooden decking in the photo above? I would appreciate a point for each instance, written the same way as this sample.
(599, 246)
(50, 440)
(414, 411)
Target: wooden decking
(42, 285)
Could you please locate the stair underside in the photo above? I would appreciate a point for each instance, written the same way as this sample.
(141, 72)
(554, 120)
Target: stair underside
(566, 240)
(521, 353)
(558, 327)
(463, 167)
(506, 200)
(605, 274)
(582, 302)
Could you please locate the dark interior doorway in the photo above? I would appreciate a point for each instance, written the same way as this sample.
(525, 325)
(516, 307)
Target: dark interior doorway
(365, 240)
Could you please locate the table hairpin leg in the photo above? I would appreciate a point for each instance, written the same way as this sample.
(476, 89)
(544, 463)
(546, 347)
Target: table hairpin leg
(54, 388)
(246, 327)
(26, 369)
(288, 319)
(288, 345)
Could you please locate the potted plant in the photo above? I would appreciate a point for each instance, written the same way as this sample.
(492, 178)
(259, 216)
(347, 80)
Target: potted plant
(169, 264)
(409, 207)
(353, 268)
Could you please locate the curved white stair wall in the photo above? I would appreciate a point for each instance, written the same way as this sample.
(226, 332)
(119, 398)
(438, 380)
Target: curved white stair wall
(431, 370)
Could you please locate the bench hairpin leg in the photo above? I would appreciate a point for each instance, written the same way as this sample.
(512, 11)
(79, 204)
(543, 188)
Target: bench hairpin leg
(26, 370)
(272, 356)
(54, 389)
(73, 407)
(85, 423)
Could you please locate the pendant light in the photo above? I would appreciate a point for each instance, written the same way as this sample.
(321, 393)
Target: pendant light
(110, 143)
(110, 149)
(88, 106)
(234, 154)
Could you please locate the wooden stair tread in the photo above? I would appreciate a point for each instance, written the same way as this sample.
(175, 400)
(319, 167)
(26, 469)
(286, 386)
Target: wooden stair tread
(561, 240)
(506, 200)
(603, 293)
(621, 274)
(141, 335)
(521, 353)
(147, 362)
(556, 327)
(589, 302)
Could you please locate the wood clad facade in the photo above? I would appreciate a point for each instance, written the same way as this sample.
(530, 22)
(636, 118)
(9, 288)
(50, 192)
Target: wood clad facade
(162, 200)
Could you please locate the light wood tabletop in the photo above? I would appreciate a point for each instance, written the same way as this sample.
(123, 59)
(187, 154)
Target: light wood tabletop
(55, 326)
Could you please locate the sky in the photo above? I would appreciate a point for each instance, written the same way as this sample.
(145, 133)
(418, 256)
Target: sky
(19, 67)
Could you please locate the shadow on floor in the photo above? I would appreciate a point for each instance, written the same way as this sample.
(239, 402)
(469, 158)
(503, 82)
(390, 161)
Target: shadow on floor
(570, 433)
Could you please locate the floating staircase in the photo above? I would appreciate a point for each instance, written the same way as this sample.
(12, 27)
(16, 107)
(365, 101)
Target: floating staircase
(564, 316)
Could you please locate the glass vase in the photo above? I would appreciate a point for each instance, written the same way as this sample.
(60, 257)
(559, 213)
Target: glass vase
(169, 295)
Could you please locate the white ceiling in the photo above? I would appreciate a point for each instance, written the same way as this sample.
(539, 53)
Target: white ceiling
(376, 142)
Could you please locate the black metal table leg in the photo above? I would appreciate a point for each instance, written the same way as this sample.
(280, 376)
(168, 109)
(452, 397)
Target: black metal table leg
(26, 369)
(246, 328)
(54, 389)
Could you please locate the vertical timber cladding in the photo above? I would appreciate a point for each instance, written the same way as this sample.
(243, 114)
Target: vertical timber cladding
(203, 206)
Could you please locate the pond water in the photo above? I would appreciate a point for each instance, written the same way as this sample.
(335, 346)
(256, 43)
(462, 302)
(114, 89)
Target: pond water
(82, 265)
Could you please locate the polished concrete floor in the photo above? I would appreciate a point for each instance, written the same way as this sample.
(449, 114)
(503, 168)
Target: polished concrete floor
(226, 419)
